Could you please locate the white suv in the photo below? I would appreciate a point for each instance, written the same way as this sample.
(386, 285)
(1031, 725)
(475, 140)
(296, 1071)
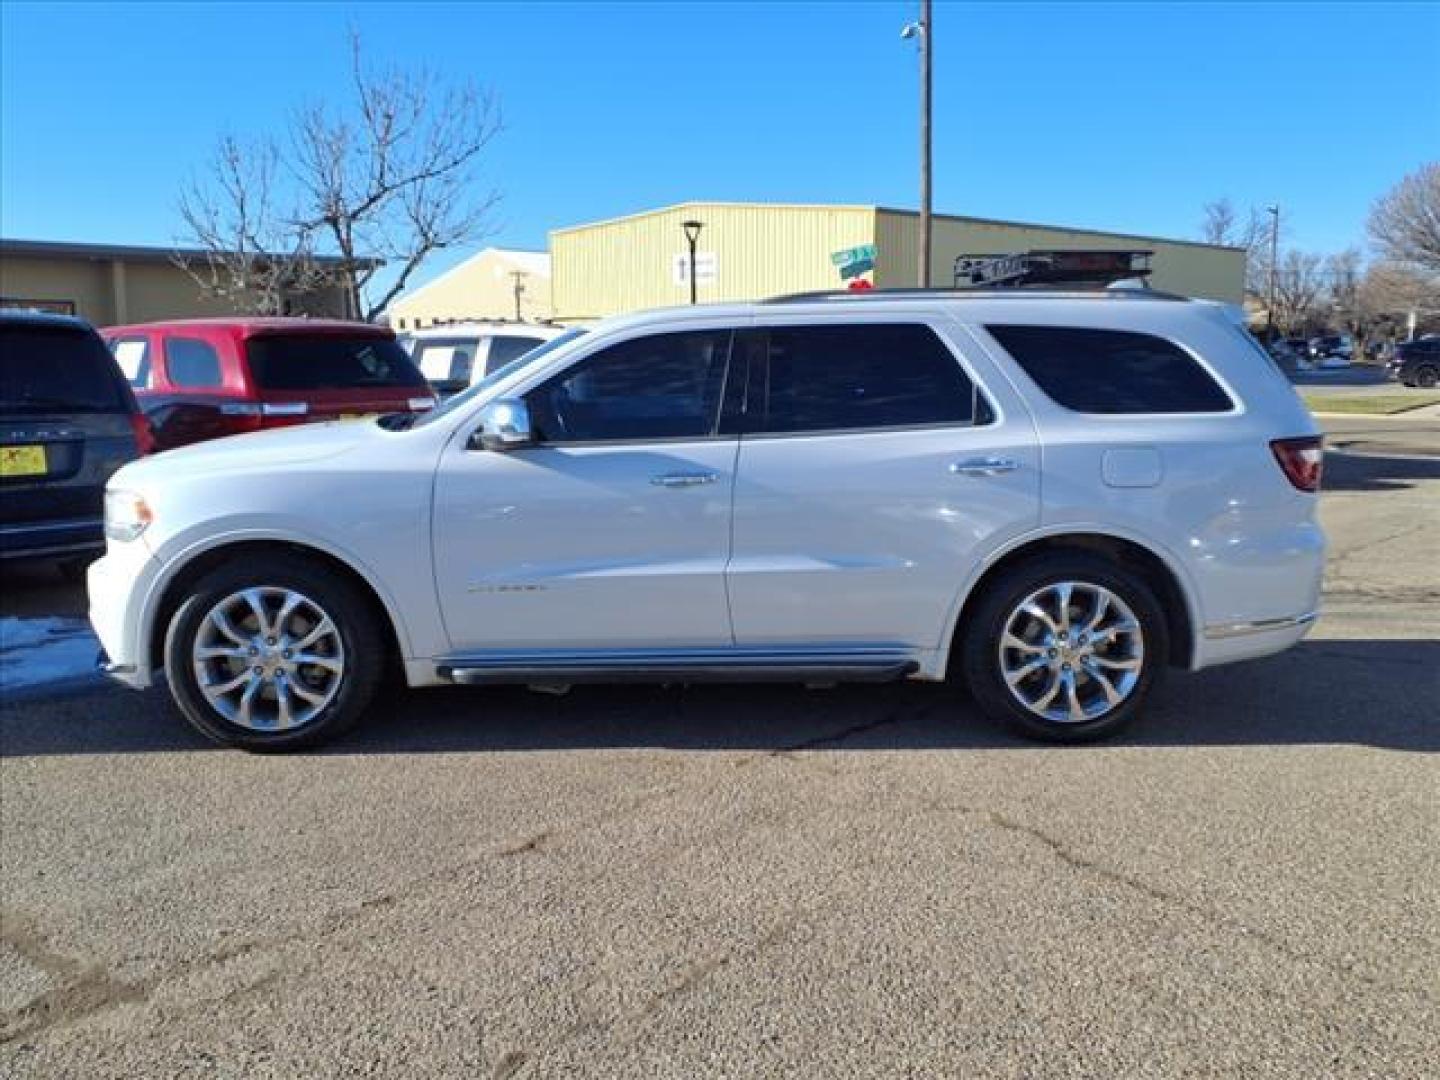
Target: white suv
(458, 355)
(1050, 496)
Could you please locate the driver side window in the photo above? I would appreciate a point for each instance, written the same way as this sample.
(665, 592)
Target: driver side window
(665, 386)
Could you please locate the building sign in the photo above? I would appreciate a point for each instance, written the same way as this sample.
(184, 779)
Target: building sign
(707, 268)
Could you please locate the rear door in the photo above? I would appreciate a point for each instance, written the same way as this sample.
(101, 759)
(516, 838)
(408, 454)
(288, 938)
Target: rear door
(875, 470)
(65, 424)
(330, 375)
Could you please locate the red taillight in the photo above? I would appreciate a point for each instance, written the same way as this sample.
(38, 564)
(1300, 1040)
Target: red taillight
(144, 434)
(1302, 460)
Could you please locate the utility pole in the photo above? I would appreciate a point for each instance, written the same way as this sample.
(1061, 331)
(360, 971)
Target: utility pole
(926, 41)
(518, 276)
(1274, 212)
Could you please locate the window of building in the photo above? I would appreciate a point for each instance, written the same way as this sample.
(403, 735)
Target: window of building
(865, 375)
(192, 364)
(1112, 371)
(664, 386)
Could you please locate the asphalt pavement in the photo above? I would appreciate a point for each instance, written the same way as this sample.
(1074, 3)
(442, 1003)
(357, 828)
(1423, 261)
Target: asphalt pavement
(759, 881)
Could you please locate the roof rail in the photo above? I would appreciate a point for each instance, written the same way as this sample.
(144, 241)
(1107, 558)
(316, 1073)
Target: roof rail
(994, 292)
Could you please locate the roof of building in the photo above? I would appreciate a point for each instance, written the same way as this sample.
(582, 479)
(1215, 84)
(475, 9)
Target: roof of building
(891, 210)
(248, 325)
(534, 263)
(66, 249)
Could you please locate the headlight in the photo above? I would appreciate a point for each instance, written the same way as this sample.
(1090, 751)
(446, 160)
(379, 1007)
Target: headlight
(127, 515)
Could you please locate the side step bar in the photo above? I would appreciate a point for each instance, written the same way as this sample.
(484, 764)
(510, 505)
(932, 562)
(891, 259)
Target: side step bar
(492, 673)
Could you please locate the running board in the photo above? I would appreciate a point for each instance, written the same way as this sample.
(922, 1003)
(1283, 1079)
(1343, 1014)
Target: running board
(813, 669)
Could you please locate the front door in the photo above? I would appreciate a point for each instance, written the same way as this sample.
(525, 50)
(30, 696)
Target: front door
(613, 531)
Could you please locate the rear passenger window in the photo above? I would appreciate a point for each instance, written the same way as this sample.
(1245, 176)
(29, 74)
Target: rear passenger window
(869, 375)
(192, 364)
(1111, 371)
(133, 356)
(505, 349)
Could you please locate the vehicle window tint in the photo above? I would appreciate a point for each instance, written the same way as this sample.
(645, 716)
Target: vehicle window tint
(133, 356)
(446, 362)
(865, 375)
(505, 349)
(192, 364)
(1111, 371)
(45, 369)
(330, 362)
(658, 387)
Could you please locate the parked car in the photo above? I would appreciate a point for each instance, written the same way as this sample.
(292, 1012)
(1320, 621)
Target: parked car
(1417, 363)
(456, 356)
(199, 379)
(1051, 496)
(67, 421)
(1332, 350)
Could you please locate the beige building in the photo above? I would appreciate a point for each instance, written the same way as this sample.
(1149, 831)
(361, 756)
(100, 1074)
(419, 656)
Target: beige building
(109, 284)
(747, 251)
(497, 283)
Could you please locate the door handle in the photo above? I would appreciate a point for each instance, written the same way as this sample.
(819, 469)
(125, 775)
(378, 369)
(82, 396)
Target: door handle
(676, 480)
(986, 466)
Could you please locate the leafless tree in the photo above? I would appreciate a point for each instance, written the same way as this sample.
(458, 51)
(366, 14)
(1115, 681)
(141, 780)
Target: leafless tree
(249, 251)
(1405, 222)
(1299, 288)
(1220, 223)
(393, 177)
(390, 176)
(1390, 292)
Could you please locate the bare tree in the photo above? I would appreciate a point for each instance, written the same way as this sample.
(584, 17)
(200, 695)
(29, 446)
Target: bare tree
(1405, 222)
(1220, 223)
(1391, 292)
(387, 178)
(250, 253)
(394, 176)
(1299, 287)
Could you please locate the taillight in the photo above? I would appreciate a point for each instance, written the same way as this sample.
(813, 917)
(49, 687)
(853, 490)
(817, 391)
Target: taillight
(144, 433)
(1302, 460)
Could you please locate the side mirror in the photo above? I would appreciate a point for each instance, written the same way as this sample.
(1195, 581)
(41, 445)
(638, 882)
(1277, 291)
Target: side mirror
(504, 425)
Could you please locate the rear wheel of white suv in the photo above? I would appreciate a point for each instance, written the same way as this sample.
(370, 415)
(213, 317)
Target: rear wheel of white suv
(274, 654)
(1064, 647)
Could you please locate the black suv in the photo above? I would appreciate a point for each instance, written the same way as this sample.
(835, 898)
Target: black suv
(1417, 363)
(67, 421)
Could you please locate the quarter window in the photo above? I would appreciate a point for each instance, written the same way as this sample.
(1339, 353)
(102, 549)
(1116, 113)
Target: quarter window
(192, 364)
(133, 356)
(1111, 371)
(665, 386)
(868, 375)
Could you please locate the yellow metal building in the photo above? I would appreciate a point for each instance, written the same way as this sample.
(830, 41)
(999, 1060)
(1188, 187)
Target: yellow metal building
(747, 251)
(497, 283)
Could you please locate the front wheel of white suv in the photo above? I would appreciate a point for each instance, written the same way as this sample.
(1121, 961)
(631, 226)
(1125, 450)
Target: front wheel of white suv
(274, 654)
(1064, 647)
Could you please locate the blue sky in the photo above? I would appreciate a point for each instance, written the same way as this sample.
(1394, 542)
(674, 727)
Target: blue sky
(1115, 116)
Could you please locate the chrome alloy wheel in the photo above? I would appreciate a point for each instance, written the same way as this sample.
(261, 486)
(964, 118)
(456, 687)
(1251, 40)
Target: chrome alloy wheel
(1071, 652)
(268, 659)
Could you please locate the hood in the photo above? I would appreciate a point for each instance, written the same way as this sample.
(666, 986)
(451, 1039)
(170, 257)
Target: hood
(254, 452)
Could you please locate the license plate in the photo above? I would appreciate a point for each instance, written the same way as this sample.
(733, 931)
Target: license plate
(23, 461)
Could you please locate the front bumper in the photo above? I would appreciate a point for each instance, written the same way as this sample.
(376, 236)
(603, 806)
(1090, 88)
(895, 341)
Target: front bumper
(119, 585)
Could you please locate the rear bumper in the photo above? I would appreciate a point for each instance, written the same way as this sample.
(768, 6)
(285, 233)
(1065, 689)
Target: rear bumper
(1227, 643)
(40, 539)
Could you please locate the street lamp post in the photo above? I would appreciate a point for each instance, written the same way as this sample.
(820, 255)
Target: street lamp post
(922, 32)
(692, 237)
(1274, 212)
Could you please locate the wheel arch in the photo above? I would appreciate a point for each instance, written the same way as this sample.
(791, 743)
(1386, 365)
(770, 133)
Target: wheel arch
(170, 593)
(1160, 572)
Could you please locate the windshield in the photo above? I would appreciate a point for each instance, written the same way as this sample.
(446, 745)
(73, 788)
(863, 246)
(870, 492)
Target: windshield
(331, 362)
(459, 401)
(45, 369)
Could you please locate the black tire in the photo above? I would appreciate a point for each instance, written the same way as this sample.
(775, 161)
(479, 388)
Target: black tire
(978, 643)
(355, 618)
(1426, 377)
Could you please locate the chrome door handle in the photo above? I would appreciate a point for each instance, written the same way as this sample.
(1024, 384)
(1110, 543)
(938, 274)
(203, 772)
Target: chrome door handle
(675, 480)
(986, 466)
